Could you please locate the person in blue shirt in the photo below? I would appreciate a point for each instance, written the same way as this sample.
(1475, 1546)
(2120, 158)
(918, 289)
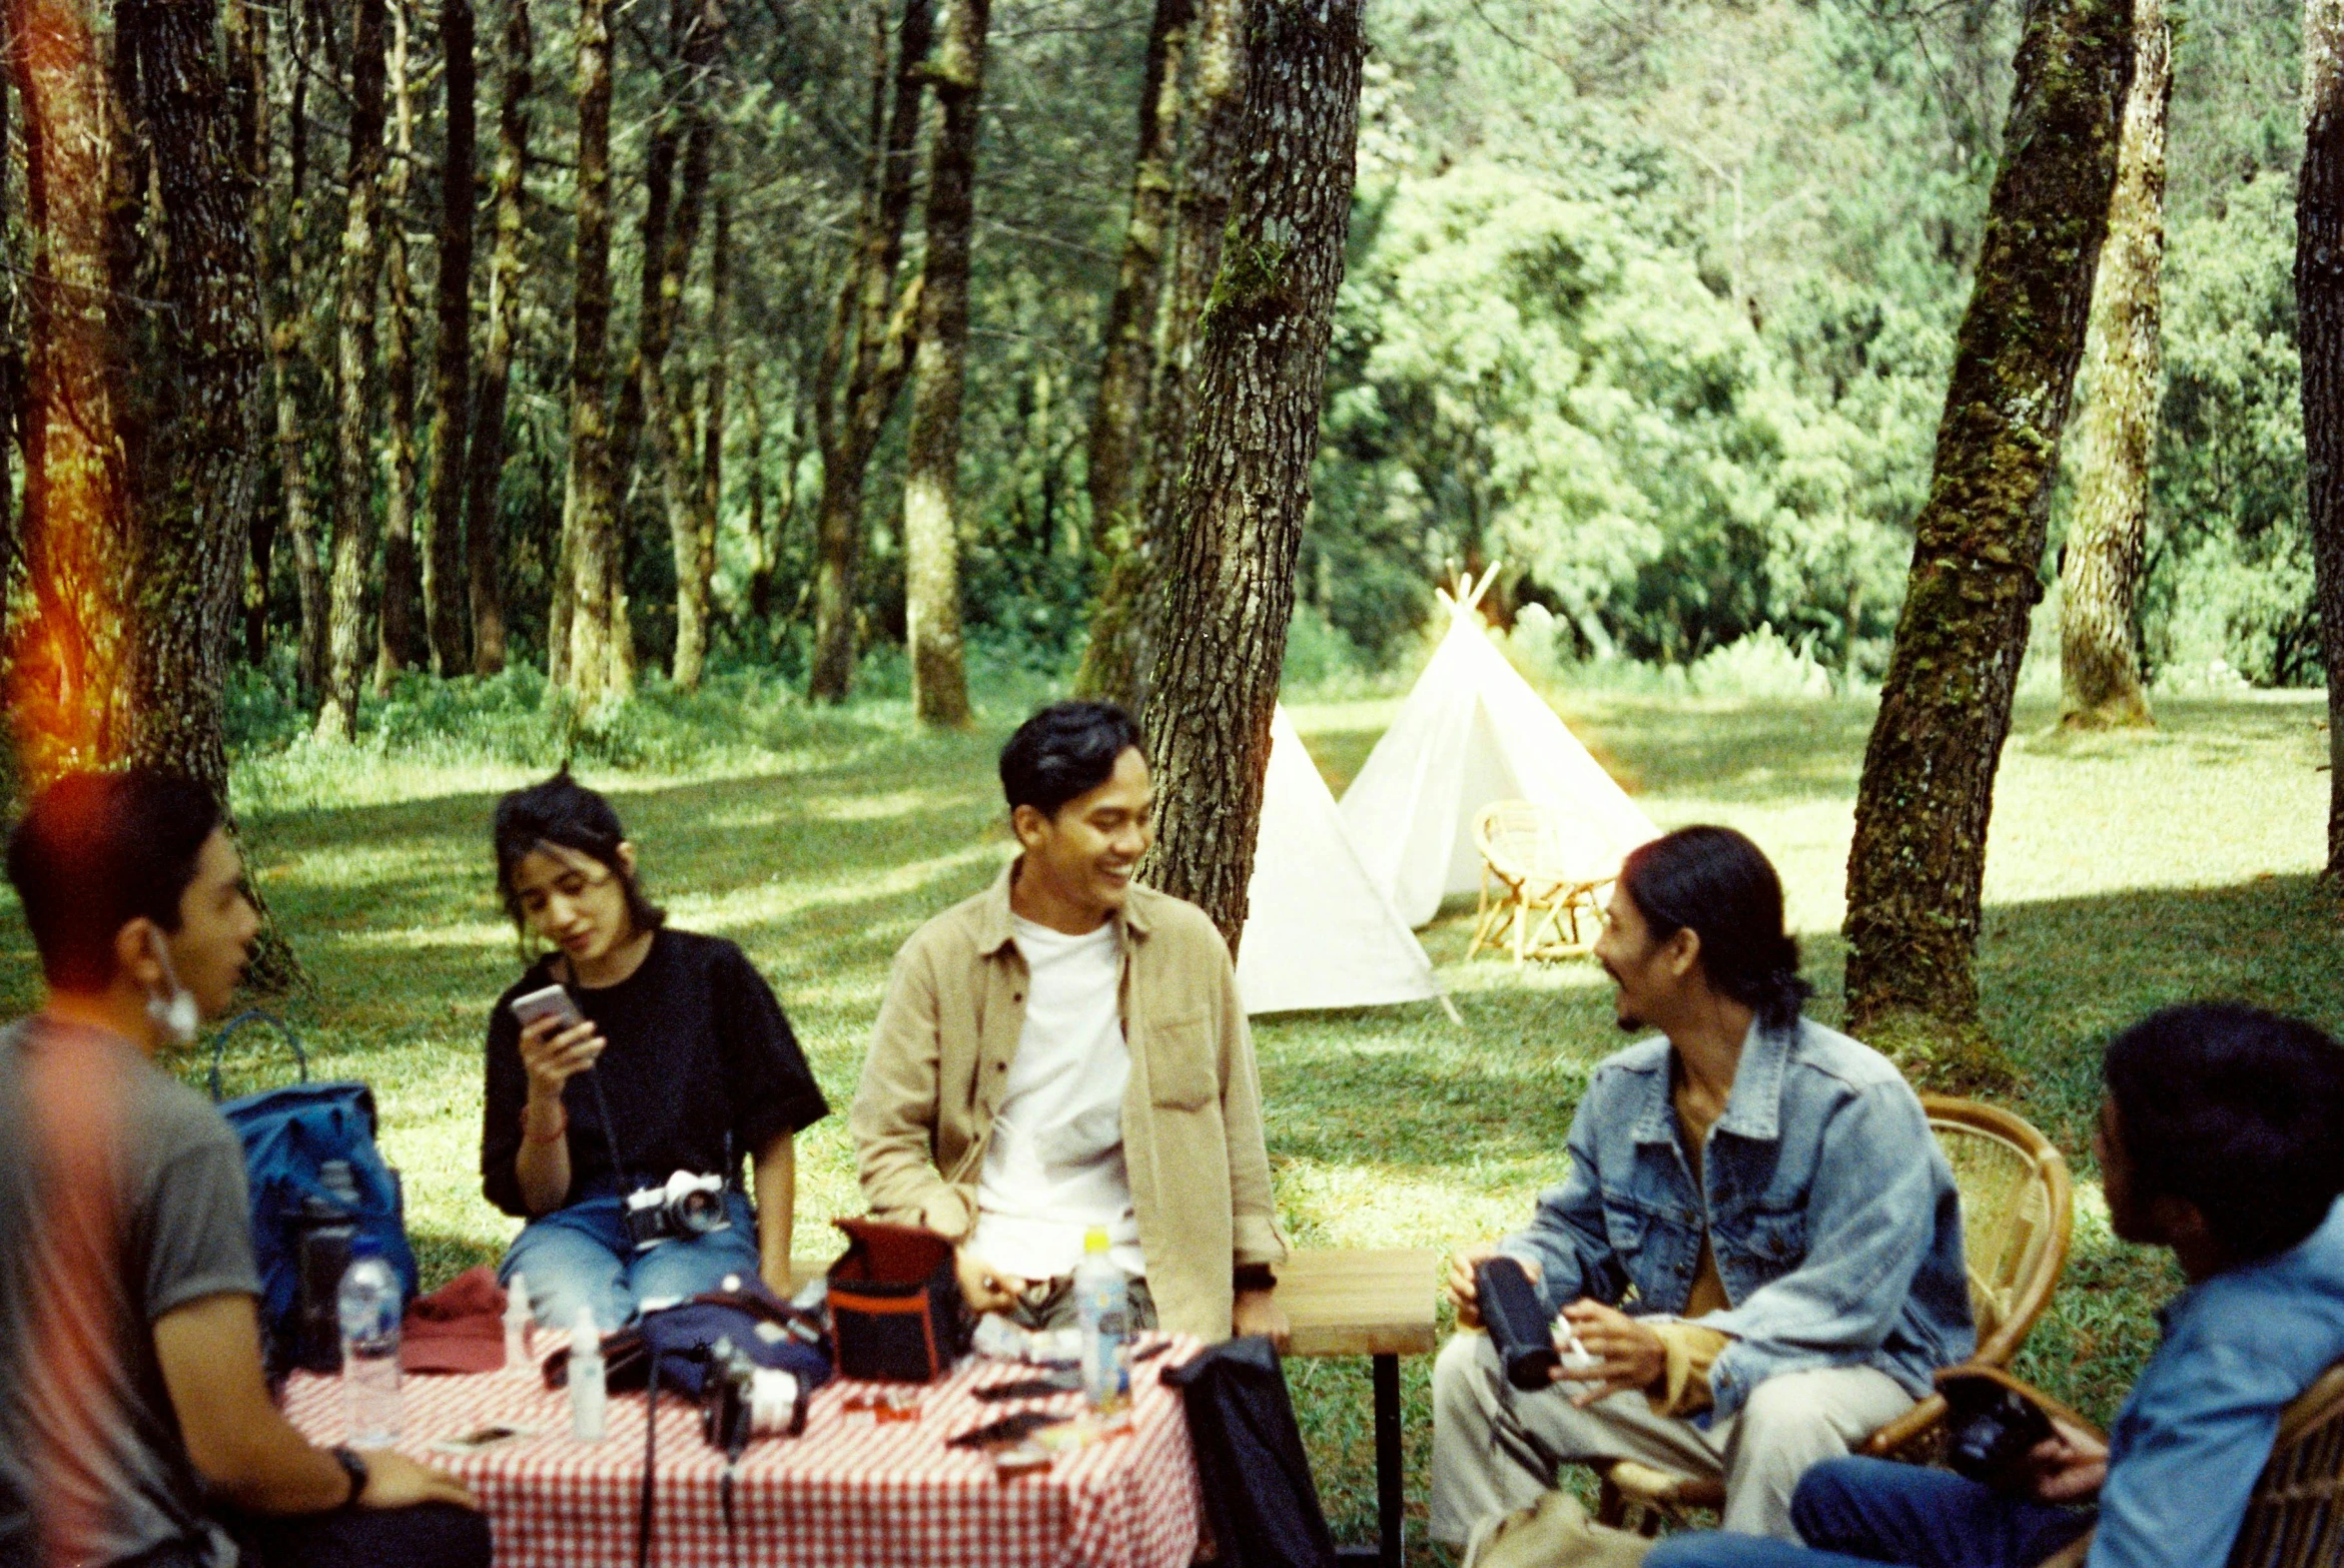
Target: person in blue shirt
(2221, 1137)
(1757, 1241)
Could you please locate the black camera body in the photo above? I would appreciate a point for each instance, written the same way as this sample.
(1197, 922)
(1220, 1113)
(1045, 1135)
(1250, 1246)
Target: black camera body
(740, 1399)
(1994, 1429)
(1517, 1322)
(688, 1205)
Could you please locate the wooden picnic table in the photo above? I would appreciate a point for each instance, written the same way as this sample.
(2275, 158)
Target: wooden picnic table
(1377, 1303)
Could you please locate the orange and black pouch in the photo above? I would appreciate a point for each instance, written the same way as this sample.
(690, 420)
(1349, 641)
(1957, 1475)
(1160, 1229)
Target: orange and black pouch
(896, 1313)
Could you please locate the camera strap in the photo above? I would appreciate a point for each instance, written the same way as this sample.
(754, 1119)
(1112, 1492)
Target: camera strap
(650, 1468)
(626, 1178)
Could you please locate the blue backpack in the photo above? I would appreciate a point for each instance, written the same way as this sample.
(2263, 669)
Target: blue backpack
(288, 1136)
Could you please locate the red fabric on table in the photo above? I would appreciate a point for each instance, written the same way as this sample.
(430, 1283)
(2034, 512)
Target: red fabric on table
(458, 1327)
(849, 1493)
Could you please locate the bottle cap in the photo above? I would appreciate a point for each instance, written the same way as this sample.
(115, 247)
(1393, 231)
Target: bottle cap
(1094, 1240)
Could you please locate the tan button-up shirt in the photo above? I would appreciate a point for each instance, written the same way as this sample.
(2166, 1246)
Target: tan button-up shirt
(940, 1056)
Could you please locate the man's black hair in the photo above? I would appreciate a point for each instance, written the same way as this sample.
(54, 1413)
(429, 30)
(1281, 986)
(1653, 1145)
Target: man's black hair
(563, 814)
(1716, 883)
(1066, 750)
(2236, 1109)
(95, 851)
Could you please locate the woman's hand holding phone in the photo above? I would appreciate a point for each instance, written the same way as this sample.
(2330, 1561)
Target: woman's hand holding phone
(556, 1045)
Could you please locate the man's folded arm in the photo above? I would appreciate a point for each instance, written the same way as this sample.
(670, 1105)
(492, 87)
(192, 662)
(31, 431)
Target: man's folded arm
(1566, 1235)
(893, 1118)
(240, 1444)
(1255, 1235)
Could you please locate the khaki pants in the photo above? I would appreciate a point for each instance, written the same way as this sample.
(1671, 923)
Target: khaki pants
(1496, 1448)
(1051, 1305)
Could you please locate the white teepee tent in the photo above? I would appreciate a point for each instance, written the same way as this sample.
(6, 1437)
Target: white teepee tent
(1318, 932)
(1471, 733)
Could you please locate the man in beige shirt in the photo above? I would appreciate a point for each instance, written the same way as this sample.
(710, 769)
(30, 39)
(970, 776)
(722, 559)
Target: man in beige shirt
(1066, 1051)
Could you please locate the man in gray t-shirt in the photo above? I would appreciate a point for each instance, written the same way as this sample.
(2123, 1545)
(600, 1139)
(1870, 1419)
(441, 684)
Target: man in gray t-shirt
(123, 1196)
(134, 1417)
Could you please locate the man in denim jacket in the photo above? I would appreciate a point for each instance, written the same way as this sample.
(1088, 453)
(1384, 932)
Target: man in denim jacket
(2218, 1138)
(1767, 1189)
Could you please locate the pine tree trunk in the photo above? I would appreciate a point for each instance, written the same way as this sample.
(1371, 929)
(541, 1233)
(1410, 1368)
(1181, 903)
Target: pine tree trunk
(667, 265)
(932, 459)
(595, 664)
(1260, 377)
(1130, 360)
(2319, 296)
(138, 479)
(245, 34)
(485, 463)
(452, 359)
(693, 527)
(361, 249)
(398, 647)
(1922, 807)
(292, 357)
(1120, 656)
(2099, 580)
(871, 337)
(762, 555)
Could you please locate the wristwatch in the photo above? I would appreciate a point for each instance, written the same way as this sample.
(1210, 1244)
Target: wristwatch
(354, 1467)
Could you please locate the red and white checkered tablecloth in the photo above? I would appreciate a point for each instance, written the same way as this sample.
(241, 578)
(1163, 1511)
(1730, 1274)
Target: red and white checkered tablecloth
(850, 1492)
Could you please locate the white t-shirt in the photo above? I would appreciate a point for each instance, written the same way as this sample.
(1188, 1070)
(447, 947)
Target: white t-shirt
(1055, 1166)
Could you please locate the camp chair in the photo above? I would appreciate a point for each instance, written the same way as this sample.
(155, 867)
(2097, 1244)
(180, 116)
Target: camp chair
(2017, 1221)
(1529, 885)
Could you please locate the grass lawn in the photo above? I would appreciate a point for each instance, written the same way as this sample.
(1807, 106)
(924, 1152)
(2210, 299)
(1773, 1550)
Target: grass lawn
(2126, 872)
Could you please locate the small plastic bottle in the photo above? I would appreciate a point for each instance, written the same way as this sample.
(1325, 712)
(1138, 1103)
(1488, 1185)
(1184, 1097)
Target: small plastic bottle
(517, 1323)
(1103, 1305)
(587, 1392)
(368, 1305)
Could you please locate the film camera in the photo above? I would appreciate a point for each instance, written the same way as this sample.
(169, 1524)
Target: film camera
(1517, 1322)
(740, 1399)
(1993, 1428)
(688, 1205)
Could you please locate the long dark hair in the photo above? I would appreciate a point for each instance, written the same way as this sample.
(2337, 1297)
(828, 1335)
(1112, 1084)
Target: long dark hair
(563, 814)
(1720, 886)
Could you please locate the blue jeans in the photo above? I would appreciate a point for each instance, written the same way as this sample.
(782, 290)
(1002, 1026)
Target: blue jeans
(581, 1257)
(1854, 1512)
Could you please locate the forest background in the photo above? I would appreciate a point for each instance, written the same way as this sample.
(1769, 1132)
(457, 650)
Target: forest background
(1654, 303)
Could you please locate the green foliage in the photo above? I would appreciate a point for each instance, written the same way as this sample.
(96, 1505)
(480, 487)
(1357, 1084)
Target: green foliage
(1532, 378)
(2230, 569)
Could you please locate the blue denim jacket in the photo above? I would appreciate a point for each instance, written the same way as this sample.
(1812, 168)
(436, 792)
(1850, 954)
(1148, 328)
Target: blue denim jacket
(1830, 1210)
(2198, 1428)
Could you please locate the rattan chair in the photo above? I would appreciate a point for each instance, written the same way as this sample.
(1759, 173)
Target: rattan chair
(2017, 1221)
(1533, 890)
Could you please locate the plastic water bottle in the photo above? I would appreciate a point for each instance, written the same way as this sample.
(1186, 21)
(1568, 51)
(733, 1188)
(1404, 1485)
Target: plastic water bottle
(1103, 1306)
(368, 1306)
(517, 1323)
(588, 1386)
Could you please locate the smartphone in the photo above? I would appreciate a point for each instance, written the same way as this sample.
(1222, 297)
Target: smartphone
(553, 1002)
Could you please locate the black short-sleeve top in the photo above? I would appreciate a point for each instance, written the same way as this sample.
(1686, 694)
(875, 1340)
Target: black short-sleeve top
(700, 1069)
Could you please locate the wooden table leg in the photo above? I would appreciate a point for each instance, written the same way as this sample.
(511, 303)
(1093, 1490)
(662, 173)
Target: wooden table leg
(1388, 1547)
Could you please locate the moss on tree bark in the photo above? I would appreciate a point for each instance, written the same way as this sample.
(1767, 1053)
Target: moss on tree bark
(1917, 864)
(1260, 379)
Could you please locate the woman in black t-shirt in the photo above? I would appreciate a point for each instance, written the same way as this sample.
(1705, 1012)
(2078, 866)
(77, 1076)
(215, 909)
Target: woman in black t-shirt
(681, 1064)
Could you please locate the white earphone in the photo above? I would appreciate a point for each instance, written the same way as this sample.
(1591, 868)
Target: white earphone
(177, 1015)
